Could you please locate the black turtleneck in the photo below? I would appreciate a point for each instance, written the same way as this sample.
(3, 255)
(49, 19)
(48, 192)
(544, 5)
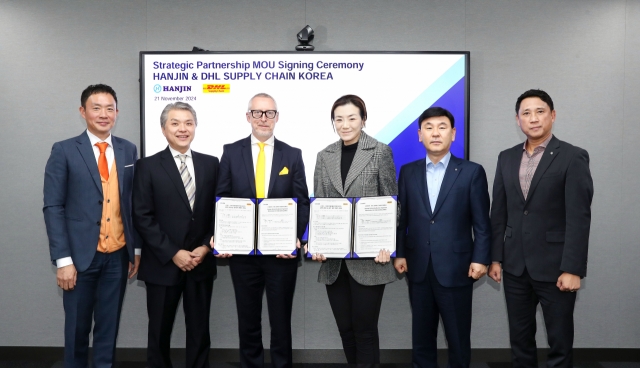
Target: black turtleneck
(348, 152)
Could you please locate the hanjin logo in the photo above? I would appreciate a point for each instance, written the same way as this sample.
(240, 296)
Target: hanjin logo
(159, 88)
(178, 89)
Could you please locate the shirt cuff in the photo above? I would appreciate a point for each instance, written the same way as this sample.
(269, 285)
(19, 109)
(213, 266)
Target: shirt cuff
(63, 262)
(137, 251)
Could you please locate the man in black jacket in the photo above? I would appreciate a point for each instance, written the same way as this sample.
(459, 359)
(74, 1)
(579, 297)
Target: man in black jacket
(540, 219)
(173, 199)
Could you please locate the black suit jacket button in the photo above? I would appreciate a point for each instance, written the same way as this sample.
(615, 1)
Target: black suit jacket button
(193, 219)
(100, 202)
(98, 223)
(433, 222)
(526, 213)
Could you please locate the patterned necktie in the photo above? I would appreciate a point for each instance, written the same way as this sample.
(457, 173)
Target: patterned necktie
(103, 166)
(189, 185)
(260, 172)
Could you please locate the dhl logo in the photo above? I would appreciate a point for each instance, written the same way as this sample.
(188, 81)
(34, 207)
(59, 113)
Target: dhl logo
(216, 88)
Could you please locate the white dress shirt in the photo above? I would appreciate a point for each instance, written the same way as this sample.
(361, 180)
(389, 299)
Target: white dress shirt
(96, 151)
(268, 159)
(435, 175)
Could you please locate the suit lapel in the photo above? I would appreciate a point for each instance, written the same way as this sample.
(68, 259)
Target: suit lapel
(118, 152)
(420, 177)
(86, 151)
(360, 160)
(248, 163)
(514, 169)
(550, 153)
(275, 165)
(170, 167)
(450, 176)
(200, 170)
(332, 158)
(332, 162)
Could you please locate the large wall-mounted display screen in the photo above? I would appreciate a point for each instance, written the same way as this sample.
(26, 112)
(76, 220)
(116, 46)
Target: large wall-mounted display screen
(396, 87)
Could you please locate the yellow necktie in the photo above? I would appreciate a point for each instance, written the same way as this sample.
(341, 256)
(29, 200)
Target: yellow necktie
(260, 172)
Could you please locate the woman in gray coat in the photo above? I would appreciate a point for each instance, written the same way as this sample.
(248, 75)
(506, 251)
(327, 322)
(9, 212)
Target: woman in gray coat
(357, 165)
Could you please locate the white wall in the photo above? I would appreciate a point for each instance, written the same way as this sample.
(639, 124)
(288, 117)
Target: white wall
(586, 54)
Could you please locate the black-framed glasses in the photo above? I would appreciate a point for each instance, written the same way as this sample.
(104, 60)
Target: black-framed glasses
(257, 114)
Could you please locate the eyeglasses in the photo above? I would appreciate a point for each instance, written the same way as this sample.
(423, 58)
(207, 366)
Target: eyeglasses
(257, 114)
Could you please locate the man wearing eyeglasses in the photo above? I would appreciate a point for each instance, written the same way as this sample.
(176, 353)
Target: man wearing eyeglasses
(260, 166)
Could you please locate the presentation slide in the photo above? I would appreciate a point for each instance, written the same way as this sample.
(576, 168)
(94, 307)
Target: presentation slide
(396, 87)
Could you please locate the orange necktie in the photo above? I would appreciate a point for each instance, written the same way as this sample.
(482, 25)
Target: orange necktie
(103, 167)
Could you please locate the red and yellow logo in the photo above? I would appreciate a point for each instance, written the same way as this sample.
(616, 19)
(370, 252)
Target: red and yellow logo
(216, 88)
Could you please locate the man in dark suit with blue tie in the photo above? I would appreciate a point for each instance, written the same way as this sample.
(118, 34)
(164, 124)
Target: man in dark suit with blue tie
(443, 240)
(264, 167)
(173, 198)
(87, 211)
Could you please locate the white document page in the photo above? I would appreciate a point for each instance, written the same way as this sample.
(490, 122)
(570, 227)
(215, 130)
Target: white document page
(235, 226)
(330, 227)
(277, 223)
(375, 225)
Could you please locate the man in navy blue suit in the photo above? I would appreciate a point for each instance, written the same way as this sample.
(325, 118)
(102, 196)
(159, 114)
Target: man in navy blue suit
(281, 172)
(87, 212)
(443, 240)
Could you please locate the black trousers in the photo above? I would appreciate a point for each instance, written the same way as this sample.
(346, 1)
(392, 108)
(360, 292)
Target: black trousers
(162, 304)
(523, 294)
(251, 276)
(431, 301)
(356, 309)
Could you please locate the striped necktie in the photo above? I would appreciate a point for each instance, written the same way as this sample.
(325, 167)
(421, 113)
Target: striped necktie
(189, 185)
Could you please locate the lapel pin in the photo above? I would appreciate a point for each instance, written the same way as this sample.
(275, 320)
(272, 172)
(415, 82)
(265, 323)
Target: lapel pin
(551, 153)
(456, 169)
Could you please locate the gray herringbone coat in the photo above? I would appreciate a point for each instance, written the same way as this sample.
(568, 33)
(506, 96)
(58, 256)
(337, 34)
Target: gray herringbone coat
(372, 173)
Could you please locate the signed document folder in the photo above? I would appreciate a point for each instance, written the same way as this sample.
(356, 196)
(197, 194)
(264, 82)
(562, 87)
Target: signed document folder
(251, 226)
(352, 227)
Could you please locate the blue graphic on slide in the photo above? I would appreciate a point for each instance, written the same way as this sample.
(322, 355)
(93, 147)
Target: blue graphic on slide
(433, 92)
(406, 147)
(448, 91)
